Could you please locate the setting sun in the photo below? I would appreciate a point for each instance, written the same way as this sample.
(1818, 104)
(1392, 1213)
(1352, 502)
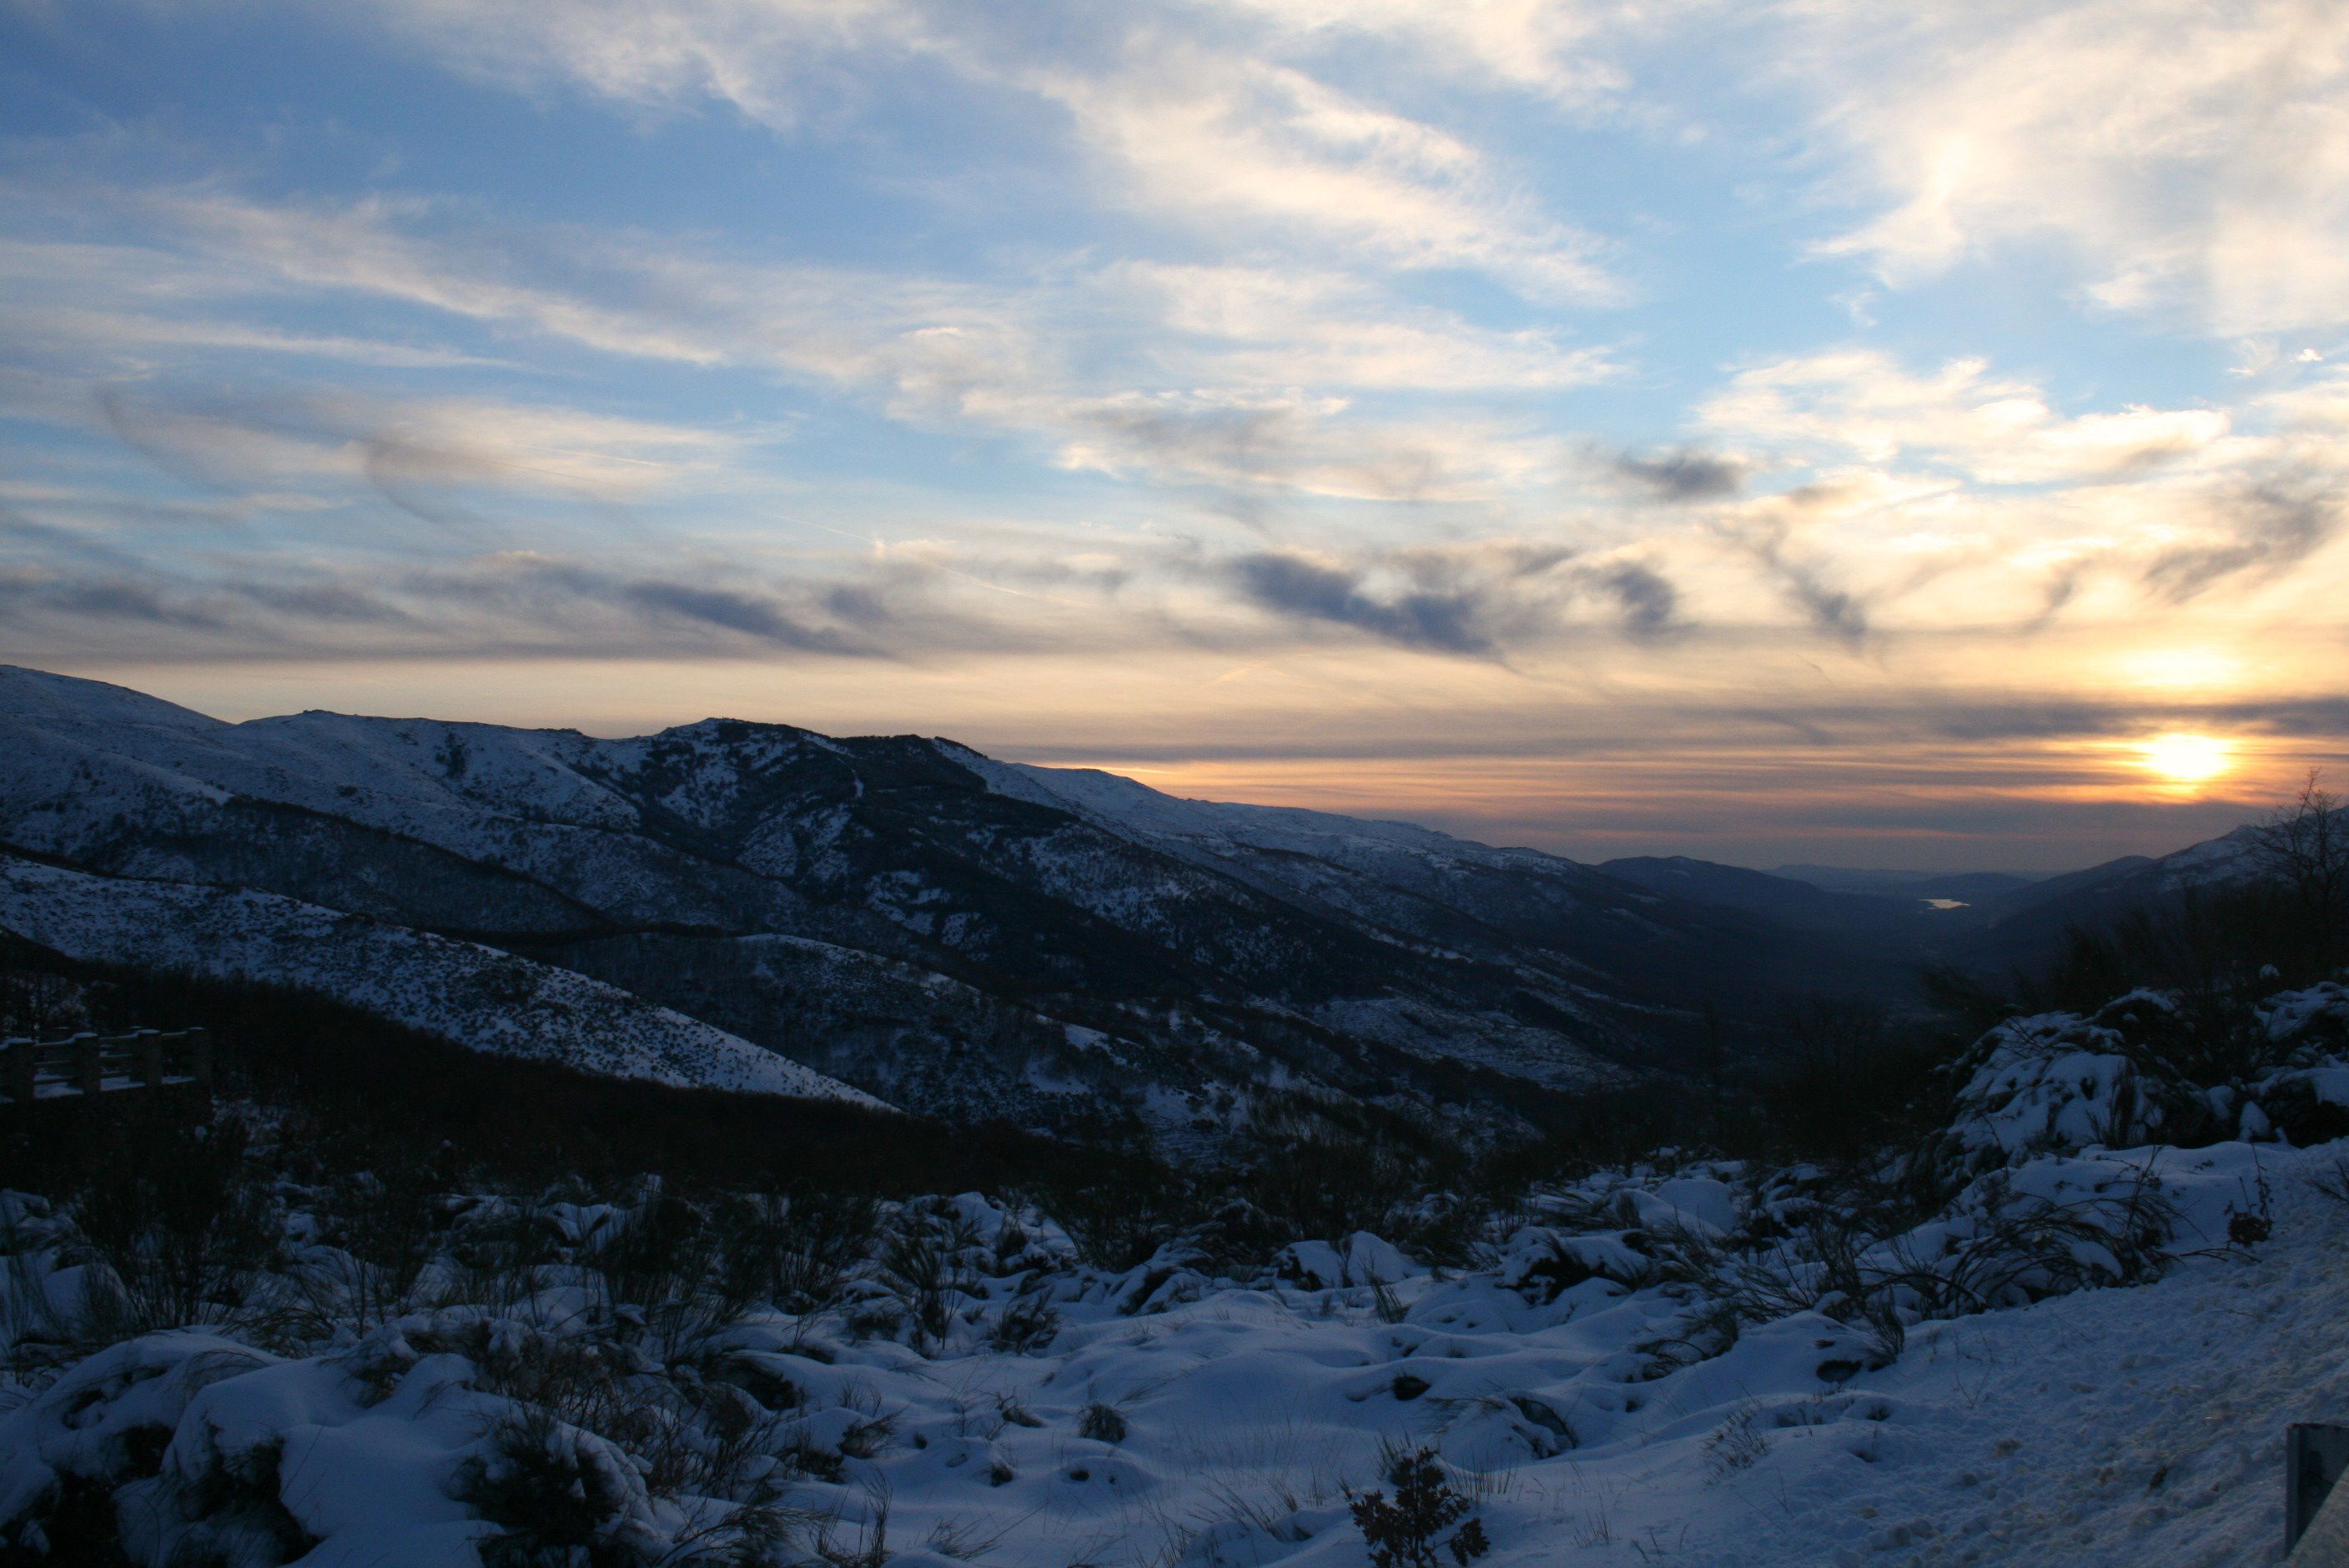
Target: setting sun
(2187, 758)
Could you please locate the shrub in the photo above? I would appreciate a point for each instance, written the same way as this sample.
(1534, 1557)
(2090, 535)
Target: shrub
(1401, 1534)
(1027, 1327)
(180, 1224)
(234, 1510)
(73, 1522)
(564, 1496)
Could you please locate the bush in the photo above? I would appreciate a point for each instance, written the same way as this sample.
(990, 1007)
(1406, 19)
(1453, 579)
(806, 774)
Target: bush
(234, 1510)
(1028, 1326)
(1401, 1534)
(180, 1224)
(565, 1497)
(73, 1523)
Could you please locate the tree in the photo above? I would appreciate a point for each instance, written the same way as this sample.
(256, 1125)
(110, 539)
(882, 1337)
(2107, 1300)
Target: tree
(2306, 845)
(1401, 1534)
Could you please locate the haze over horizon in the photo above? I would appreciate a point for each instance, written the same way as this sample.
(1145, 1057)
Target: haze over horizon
(1793, 432)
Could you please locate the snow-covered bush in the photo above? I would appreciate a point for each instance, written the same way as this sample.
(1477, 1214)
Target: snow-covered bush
(2151, 1065)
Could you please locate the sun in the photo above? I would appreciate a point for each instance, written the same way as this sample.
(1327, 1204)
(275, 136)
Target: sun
(2181, 759)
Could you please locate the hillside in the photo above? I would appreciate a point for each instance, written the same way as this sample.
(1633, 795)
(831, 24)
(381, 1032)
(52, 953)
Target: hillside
(1058, 948)
(955, 935)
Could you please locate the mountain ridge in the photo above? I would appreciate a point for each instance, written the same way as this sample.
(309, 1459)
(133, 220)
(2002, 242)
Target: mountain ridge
(863, 905)
(1063, 949)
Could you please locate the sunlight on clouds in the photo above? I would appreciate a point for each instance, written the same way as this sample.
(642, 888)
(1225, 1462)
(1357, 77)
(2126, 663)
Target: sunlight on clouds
(2191, 670)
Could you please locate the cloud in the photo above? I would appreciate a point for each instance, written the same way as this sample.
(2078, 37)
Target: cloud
(1834, 613)
(1862, 404)
(2192, 154)
(1299, 443)
(1547, 46)
(2266, 526)
(1649, 602)
(416, 453)
(855, 620)
(1277, 327)
(1230, 376)
(768, 59)
(1183, 122)
(1485, 599)
(676, 614)
(1683, 474)
(1226, 144)
(1447, 619)
(104, 599)
(515, 603)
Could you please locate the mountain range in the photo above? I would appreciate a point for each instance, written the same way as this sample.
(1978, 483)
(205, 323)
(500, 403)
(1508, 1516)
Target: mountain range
(757, 906)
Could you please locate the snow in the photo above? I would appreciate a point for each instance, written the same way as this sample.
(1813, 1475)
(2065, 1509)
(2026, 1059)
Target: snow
(1127, 804)
(1652, 1366)
(477, 997)
(2139, 1428)
(521, 836)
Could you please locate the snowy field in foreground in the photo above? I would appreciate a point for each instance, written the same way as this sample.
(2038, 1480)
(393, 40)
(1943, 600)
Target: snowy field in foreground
(2126, 1426)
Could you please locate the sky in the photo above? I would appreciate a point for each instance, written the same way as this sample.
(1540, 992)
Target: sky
(1908, 435)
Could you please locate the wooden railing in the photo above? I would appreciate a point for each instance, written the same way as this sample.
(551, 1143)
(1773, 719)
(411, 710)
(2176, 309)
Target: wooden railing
(83, 1067)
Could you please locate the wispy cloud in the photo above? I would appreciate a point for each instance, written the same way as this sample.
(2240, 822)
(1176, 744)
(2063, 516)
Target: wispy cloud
(1683, 474)
(2265, 526)
(1488, 599)
(2193, 153)
(403, 450)
(1862, 404)
(1183, 121)
(1186, 373)
(1217, 140)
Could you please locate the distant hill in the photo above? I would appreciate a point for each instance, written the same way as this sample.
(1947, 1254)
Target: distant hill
(1962, 887)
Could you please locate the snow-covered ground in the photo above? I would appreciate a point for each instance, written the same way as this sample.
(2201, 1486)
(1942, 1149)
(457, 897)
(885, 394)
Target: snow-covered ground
(2077, 1355)
(1169, 1420)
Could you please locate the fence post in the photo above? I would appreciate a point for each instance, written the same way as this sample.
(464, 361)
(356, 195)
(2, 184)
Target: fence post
(200, 1058)
(148, 1044)
(89, 1069)
(24, 1070)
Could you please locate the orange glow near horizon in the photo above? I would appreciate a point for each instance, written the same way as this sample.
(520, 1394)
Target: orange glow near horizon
(1608, 767)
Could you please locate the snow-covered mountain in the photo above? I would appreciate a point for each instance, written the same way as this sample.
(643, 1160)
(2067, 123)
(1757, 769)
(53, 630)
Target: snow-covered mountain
(1056, 947)
(462, 991)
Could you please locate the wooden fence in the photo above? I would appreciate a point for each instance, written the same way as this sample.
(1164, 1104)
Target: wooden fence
(80, 1067)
